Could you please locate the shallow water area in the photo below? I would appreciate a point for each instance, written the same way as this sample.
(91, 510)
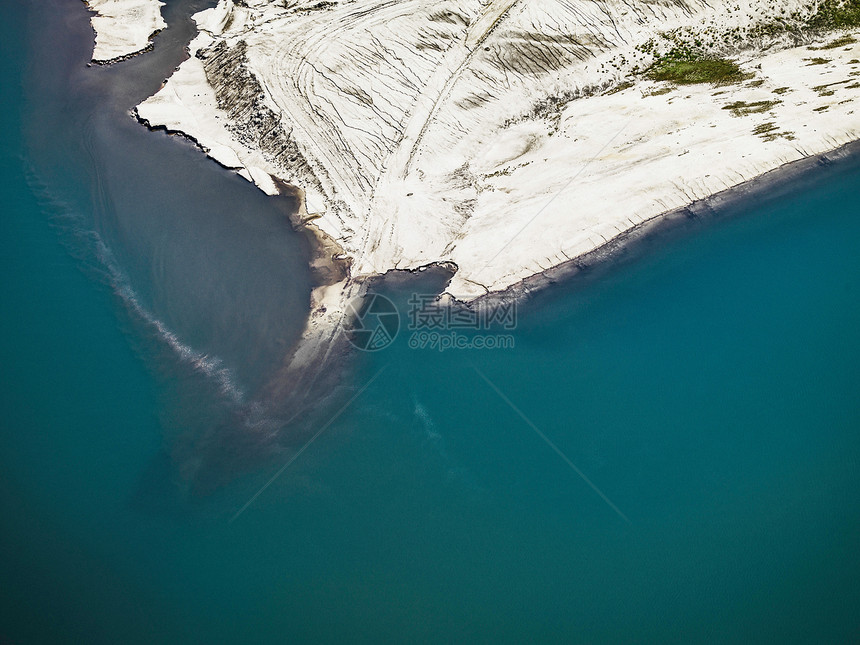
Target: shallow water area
(207, 266)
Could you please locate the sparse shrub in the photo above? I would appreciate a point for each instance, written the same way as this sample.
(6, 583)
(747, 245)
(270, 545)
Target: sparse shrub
(686, 67)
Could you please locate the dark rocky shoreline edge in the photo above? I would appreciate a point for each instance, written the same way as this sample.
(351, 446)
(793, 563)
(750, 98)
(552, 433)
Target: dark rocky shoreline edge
(715, 206)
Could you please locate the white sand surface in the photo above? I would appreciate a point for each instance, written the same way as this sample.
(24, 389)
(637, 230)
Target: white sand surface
(421, 133)
(124, 27)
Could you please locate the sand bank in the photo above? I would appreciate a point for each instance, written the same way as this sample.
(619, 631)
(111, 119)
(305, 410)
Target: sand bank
(124, 27)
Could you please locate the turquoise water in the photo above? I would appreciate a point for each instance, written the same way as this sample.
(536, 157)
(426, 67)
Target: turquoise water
(708, 387)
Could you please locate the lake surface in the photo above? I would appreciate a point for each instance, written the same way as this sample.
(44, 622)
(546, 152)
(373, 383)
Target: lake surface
(669, 453)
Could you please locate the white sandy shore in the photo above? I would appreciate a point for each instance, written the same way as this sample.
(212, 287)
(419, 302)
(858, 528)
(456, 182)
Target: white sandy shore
(124, 27)
(493, 134)
(416, 122)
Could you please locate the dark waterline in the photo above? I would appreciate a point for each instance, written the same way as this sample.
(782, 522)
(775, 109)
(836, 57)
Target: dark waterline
(706, 383)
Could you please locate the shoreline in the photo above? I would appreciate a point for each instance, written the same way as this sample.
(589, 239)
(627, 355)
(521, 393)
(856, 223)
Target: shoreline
(640, 183)
(608, 255)
(97, 62)
(711, 207)
(408, 198)
(328, 257)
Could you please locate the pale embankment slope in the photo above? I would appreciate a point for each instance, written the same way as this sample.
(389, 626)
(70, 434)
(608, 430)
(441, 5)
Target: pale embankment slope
(495, 135)
(124, 27)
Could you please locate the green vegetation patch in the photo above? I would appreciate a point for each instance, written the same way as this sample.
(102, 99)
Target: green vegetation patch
(769, 132)
(827, 90)
(685, 67)
(782, 90)
(836, 14)
(765, 128)
(816, 61)
(822, 108)
(742, 108)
